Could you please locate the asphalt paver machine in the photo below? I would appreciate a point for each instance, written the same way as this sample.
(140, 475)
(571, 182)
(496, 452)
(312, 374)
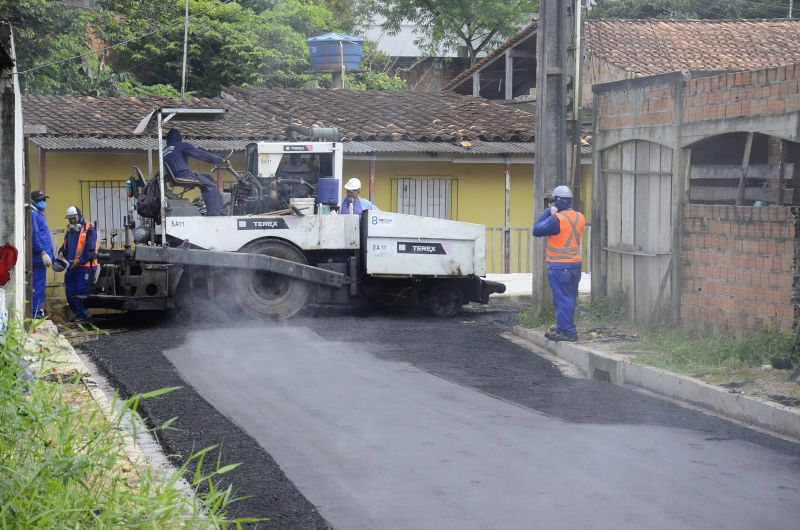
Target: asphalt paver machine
(282, 243)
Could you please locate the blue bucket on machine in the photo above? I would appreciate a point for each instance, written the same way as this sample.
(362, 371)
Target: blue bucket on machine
(328, 51)
(328, 191)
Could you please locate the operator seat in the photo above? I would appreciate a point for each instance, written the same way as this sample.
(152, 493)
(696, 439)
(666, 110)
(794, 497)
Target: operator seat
(173, 181)
(137, 182)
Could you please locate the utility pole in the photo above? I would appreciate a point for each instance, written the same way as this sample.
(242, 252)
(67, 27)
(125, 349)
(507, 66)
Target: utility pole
(791, 6)
(555, 83)
(185, 48)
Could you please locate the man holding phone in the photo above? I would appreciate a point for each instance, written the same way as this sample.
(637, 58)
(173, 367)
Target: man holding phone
(563, 227)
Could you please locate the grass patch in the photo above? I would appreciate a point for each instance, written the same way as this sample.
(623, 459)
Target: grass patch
(606, 311)
(603, 311)
(721, 357)
(532, 318)
(62, 464)
(716, 358)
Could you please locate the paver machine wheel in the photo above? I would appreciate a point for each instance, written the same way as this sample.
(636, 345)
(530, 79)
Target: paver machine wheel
(445, 300)
(267, 294)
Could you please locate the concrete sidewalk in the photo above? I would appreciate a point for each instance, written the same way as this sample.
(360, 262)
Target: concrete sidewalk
(519, 286)
(618, 369)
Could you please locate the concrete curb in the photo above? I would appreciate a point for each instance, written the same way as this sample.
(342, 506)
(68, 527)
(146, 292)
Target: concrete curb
(139, 446)
(510, 300)
(619, 370)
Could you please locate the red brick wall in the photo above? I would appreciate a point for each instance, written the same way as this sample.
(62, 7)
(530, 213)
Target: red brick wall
(737, 266)
(741, 94)
(767, 91)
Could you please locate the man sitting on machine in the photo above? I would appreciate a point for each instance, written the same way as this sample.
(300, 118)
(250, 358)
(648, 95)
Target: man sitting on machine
(175, 158)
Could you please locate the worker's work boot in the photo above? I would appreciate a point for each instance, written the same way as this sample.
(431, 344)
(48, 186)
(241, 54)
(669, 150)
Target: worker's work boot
(560, 337)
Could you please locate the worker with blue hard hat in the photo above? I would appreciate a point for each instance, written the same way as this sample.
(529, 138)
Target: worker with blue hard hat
(562, 226)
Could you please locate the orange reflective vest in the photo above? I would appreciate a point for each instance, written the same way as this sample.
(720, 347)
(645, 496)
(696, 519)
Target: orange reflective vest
(565, 246)
(81, 244)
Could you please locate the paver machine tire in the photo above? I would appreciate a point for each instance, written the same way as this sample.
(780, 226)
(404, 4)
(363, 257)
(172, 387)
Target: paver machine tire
(445, 300)
(267, 294)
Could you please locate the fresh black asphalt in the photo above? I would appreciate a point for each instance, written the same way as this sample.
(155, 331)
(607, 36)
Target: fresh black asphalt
(467, 350)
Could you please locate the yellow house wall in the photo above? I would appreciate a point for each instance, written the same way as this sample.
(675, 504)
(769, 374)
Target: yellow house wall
(66, 170)
(480, 194)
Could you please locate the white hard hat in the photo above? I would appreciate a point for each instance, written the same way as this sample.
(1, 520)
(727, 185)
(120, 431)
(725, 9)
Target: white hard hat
(60, 265)
(353, 184)
(562, 191)
(71, 212)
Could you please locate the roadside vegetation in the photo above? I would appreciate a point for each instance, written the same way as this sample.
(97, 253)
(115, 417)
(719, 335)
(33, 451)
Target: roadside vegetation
(742, 362)
(62, 463)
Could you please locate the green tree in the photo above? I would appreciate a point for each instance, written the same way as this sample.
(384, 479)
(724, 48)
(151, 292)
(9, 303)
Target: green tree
(348, 12)
(135, 47)
(247, 43)
(58, 54)
(228, 44)
(697, 9)
(479, 24)
(45, 36)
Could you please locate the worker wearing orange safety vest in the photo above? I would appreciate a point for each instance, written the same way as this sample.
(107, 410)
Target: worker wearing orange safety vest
(563, 227)
(80, 250)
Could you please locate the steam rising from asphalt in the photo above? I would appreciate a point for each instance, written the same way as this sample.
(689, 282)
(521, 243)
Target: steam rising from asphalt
(223, 308)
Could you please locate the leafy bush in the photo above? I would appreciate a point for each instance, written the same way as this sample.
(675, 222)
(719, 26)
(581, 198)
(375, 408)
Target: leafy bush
(62, 463)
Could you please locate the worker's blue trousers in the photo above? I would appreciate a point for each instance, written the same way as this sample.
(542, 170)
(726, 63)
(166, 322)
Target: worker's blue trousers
(39, 284)
(208, 188)
(77, 282)
(564, 282)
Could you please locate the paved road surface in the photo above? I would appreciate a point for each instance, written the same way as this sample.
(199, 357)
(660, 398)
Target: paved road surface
(396, 421)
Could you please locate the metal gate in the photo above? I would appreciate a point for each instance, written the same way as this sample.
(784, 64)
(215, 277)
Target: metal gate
(637, 246)
(429, 197)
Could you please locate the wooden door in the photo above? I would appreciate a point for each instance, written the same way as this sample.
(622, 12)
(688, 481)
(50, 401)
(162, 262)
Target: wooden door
(638, 240)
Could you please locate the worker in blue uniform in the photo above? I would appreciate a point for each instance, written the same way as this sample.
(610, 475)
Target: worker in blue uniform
(352, 203)
(79, 249)
(562, 226)
(175, 156)
(41, 251)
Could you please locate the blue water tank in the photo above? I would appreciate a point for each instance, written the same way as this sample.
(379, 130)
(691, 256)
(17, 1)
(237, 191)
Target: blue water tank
(328, 191)
(327, 52)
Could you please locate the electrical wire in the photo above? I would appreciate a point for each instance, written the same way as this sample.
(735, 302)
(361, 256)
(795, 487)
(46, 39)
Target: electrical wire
(665, 52)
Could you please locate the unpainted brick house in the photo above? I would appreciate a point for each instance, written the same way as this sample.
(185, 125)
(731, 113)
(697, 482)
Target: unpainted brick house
(614, 50)
(668, 151)
(696, 187)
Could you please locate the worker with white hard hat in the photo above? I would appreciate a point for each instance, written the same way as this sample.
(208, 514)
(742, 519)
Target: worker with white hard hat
(563, 227)
(352, 203)
(80, 250)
